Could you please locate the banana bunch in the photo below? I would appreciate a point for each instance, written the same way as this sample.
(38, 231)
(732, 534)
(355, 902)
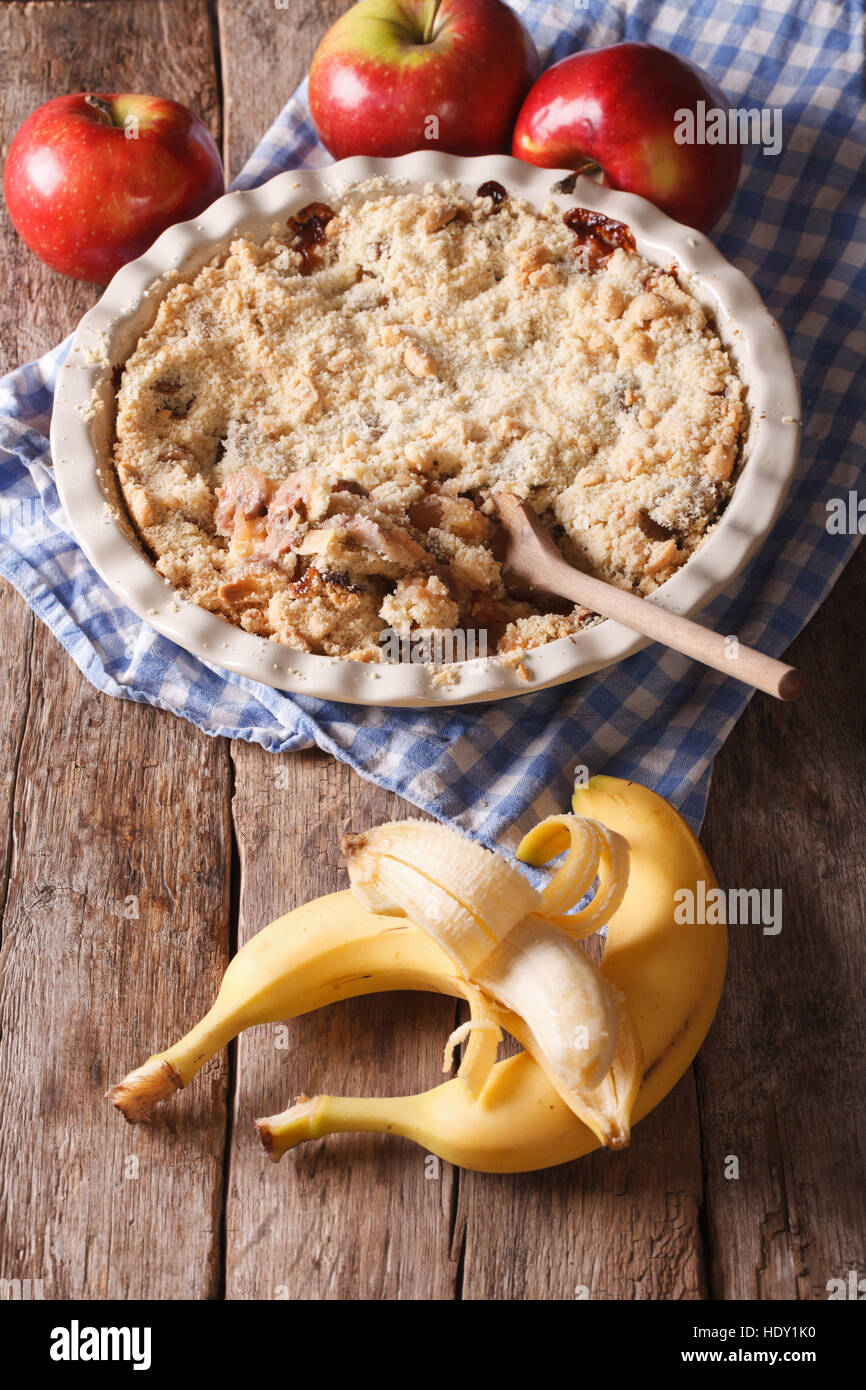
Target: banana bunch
(429, 910)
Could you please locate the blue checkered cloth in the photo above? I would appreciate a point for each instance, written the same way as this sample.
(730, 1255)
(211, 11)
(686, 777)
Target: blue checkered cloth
(796, 227)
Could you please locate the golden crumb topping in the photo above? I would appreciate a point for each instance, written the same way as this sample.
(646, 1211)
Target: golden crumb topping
(309, 434)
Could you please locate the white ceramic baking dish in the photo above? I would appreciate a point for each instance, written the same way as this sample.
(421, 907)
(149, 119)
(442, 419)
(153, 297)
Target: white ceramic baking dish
(83, 423)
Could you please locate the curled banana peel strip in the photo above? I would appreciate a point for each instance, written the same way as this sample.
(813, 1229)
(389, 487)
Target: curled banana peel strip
(592, 849)
(330, 949)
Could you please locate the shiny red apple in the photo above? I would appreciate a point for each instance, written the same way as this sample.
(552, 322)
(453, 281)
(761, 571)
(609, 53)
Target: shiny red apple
(92, 179)
(392, 76)
(621, 107)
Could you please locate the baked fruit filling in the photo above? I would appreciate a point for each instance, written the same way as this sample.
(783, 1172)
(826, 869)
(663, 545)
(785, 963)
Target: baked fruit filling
(309, 435)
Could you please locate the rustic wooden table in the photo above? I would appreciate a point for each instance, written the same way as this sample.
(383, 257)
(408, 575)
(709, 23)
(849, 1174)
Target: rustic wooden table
(110, 803)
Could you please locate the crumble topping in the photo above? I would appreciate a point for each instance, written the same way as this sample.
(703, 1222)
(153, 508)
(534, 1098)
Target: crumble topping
(309, 434)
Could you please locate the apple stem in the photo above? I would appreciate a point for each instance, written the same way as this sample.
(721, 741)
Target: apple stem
(590, 168)
(431, 22)
(101, 106)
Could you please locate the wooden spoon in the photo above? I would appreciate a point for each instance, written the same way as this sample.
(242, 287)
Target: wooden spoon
(533, 562)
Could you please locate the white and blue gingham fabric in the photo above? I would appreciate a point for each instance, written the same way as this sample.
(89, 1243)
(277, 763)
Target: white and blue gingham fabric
(796, 227)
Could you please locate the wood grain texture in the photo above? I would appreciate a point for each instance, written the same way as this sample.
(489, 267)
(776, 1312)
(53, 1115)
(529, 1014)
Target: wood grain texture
(781, 1075)
(610, 1226)
(117, 809)
(114, 931)
(354, 1216)
(266, 52)
(16, 625)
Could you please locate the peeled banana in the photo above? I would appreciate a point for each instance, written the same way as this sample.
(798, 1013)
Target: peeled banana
(661, 980)
(488, 918)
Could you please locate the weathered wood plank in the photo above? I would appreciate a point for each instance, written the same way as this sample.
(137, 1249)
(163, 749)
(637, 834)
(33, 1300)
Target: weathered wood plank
(118, 809)
(609, 1226)
(780, 1078)
(354, 1217)
(266, 51)
(114, 935)
(16, 625)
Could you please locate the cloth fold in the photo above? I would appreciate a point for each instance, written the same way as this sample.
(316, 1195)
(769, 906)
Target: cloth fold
(796, 227)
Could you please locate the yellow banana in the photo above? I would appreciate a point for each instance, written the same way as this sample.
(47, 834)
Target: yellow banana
(328, 949)
(676, 971)
(670, 975)
(332, 949)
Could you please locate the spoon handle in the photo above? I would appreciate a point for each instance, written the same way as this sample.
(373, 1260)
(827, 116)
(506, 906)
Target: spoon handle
(725, 654)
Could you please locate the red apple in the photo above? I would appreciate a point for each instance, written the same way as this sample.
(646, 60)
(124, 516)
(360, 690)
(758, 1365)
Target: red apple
(393, 76)
(617, 107)
(91, 180)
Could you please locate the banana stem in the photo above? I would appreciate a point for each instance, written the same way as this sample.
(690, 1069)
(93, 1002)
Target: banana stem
(137, 1095)
(313, 1118)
